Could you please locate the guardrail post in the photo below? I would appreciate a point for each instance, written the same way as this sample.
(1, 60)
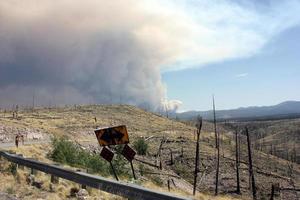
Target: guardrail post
(32, 170)
(82, 186)
(55, 179)
(20, 166)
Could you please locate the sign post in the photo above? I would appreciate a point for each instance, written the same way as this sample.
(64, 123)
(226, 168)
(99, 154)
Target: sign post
(114, 136)
(108, 155)
(129, 154)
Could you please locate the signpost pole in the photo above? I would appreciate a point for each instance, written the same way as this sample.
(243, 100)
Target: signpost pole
(115, 136)
(113, 169)
(132, 170)
(129, 154)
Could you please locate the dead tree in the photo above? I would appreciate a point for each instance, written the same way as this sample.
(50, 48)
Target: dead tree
(171, 157)
(199, 126)
(215, 123)
(33, 102)
(217, 136)
(238, 190)
(251, 174)
(272, 192)
(158, 155)
(17, 109)
(239, 146)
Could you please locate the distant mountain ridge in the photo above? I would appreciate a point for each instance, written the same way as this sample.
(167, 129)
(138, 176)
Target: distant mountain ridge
(282, 109)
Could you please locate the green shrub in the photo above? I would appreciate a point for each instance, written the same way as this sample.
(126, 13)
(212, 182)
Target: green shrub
(140, 146)
(65, 151)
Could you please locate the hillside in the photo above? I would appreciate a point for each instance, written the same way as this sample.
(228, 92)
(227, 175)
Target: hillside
(282, 110)
(79, 122)
(278, 137)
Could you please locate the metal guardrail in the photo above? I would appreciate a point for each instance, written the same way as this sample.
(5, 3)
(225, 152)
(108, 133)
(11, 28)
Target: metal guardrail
(127, 190)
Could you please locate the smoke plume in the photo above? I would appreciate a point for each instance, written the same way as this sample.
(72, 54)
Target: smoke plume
(98, 51)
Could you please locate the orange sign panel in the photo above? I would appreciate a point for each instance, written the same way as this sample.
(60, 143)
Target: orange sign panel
(112, 135)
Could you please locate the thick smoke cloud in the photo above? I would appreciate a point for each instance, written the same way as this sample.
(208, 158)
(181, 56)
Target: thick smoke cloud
(98, 51)
(70, 52)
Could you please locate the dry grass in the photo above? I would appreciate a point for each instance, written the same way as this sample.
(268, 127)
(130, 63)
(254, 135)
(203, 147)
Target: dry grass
(78, 123)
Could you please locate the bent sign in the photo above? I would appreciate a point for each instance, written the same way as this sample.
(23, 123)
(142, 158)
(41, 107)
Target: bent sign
(112, 135)
(128, 153)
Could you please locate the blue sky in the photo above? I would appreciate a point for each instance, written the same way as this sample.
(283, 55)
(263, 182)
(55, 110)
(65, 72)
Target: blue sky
(270, 76)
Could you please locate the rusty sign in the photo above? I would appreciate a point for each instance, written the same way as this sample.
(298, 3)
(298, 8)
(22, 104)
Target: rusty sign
(112, 135)
(107, 154)
(128, 153)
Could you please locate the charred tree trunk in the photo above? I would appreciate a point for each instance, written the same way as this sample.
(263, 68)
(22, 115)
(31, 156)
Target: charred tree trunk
(199, 126)
(218, 148)
(218, 166)
(215, 123)
(158, 155)
(238, 190)
(272, 193)
(251, 174)
(239, 146)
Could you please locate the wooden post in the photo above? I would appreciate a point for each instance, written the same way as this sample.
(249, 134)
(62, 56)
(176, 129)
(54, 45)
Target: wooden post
(238, 190)
(251, 174)
(199, 126)
(169, 185)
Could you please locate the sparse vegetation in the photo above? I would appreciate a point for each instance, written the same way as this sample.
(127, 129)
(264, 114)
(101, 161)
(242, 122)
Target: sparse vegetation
(78, 124)
(140, 146)
(66, 152)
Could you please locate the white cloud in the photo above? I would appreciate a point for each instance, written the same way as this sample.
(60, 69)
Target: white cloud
(241, 75)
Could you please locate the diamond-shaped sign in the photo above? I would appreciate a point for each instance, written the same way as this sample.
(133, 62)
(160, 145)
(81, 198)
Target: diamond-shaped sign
(107, 154)
(112, 135)
(128, 153)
